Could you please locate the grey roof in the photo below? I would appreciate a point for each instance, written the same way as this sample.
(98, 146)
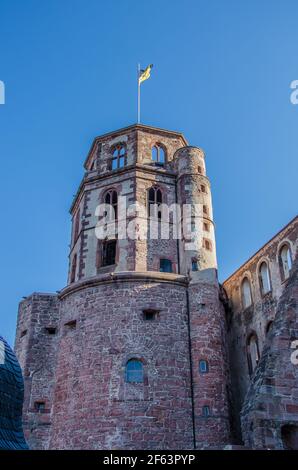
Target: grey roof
(11, 400)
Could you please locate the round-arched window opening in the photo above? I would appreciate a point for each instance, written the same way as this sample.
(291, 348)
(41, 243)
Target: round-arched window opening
(285, 261)
(246, 293)
(134, 371)
(158, 155)
(264, 278)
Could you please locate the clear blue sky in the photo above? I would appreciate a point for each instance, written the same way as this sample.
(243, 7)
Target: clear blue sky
(222, 73)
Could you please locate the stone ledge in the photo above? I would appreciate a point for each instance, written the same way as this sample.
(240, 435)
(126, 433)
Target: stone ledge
(125, 276)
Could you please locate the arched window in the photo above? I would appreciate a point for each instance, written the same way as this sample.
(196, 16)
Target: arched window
(246, 293)
(119, 157)
(111, 199)
(154, 200)
(285, 261)
(158, 155)
(77, 225)
(73, 269)
(264, 278)
(134, 372)
(253, 354)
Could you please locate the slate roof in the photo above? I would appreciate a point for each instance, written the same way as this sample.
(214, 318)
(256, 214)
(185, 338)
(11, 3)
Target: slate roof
(11, 400)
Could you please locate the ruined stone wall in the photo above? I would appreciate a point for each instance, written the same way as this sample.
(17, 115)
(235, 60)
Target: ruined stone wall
(270, 411)
(36, 348)
(257, 318)
(94, 408)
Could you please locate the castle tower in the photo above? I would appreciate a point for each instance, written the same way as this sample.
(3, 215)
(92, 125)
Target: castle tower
(206, 315)
(140, 353)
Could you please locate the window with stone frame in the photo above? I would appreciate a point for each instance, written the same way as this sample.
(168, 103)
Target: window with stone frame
(108, 252)
(253, 354)
(119, 157)
(205, 209)
(165, 265)
(150, 314)
(158, 154)
(154, 202)
(207, 244)
(246, 296)
(203, 366)
(134, 371)
(39, 406)
(285, 261)
(264, 278)
(111, 200)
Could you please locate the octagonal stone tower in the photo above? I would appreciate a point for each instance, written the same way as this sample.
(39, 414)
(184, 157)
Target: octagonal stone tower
(138, 355)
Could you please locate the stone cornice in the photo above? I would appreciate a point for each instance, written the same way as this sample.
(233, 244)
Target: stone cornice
(124, 276)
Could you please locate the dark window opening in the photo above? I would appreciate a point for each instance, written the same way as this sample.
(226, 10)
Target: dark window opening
(203, 367)
(150, 315)
(24, 332)
(51, 330)
(71, 325)
(39, 406)
(268, 327)
(200, 170)
(109, 252)
(165, 266)
(207, 244)
(111, 199)
(289, 435)
(134, 371)
(206, 227)
(194, 265)
(155, 201)
(206, 411)
(203, 188)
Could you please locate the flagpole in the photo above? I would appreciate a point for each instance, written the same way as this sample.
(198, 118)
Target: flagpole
(139, 94)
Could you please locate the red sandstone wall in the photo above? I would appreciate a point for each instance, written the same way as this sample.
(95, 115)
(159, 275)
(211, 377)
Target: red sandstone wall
(93, 406)
(36, 351)
(208, 342)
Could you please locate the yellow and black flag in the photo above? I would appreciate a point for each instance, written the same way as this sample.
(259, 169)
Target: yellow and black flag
(145, 74)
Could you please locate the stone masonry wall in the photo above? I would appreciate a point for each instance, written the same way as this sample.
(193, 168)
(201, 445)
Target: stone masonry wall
(94, 408)
(270, 411)
(257, 318)
(36, 348)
